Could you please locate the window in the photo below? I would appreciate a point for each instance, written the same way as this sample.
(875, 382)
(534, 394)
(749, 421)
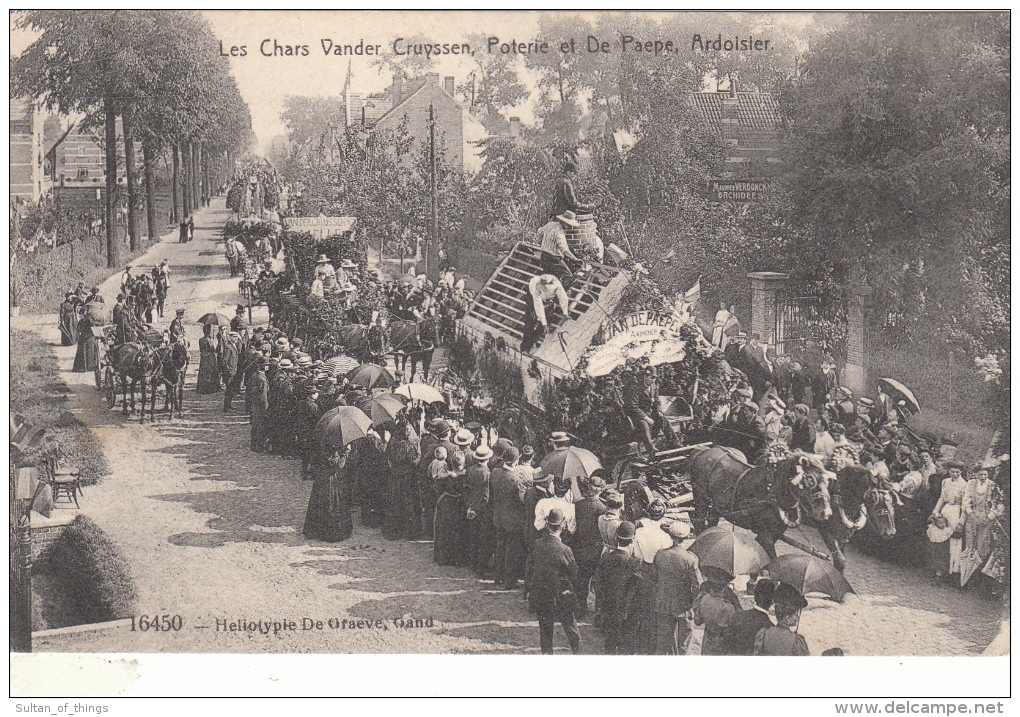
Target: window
(81, 150)
(83, 173)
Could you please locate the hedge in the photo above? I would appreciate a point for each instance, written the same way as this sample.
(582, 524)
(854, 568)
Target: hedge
(93, 573)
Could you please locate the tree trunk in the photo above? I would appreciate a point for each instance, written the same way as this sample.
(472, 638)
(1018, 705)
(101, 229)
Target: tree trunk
(128, 123)
(175, 182)
(185, 187)
(149, 160)
(112, 245)
(193, 176)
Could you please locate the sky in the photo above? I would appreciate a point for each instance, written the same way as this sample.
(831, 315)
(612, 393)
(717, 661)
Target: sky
(265, 82)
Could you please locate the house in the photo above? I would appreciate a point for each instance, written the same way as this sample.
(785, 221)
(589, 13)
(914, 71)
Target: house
(748, 124)
(27, 173)
(410, 101)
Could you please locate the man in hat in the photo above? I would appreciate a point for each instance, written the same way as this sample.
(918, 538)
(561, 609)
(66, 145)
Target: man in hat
(773, 418)
(733, 351)
(649, 539)
(742, 628)
(556, 253)
(564, 196)
(559, 500)
(802, 432)
(237, 324)
(324, 268)
(257, 399)
(640, 403)
(609, 522)
(616, 582)
(675, 576)
(229, 364)
(306, 417)
(551, 576)
(587, 542)
(477, 500)
(783, 640)
(545, 290)
(510, 519)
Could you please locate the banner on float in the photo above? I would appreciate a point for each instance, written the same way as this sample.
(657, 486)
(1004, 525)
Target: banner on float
(643, 334)
(320, 227)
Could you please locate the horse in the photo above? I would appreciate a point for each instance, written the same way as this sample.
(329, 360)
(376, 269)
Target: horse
(896, 525)
(759, 498)
(134, 363)
(173, 366)
(855, 501)
(414, 340)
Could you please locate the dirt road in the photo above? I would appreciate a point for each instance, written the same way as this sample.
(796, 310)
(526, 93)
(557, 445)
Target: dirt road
(213, 534)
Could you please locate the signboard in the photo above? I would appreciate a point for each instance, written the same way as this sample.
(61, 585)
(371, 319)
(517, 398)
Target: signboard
(736, 190)
(638, 335)
(320, 227)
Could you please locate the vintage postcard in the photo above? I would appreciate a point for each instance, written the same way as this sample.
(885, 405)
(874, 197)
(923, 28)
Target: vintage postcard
(511, 333)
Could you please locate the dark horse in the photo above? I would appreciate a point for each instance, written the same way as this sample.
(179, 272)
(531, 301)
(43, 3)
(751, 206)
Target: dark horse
(855, 502)
(172, 363)
(764, 499)
(896, 525)
(414, 340)
(134, 363)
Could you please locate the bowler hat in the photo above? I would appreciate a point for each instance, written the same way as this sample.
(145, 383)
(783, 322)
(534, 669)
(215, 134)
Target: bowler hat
(625, 531)
(441, 427)
(511, 454)
(555, 518)
(789, 597)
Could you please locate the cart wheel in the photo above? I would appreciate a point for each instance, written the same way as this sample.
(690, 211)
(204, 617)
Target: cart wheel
(99, 377)
(110, 385)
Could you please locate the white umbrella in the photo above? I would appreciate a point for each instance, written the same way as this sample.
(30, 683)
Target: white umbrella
(339, 365)
(420, 392)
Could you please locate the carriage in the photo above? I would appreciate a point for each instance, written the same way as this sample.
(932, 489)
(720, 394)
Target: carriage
(108, 379)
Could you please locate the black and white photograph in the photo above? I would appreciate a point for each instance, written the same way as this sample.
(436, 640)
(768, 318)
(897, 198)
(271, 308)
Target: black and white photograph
(628, 334)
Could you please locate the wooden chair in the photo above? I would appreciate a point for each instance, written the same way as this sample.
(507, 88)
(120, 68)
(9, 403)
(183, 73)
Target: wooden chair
(65, 481)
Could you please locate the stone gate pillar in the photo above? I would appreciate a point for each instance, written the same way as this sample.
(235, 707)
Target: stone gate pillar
(855, 374)
(765, 289)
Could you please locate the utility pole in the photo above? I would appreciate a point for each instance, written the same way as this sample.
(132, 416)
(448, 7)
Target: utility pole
(433, 189)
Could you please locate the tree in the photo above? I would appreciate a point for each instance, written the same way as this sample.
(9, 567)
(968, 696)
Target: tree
(899, 158)
(494, 82)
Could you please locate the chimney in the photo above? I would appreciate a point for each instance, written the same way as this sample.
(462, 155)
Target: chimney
(515, 126)
(398, 87)
(729, 111)
(448, 85)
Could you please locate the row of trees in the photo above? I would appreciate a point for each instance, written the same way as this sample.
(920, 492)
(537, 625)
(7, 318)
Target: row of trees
(162, 76)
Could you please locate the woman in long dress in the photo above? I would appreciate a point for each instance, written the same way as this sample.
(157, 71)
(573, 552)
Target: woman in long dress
(982, 505)
(451, 516)
(208, 365)
(401, 517)
(371, 471)
(87, 356)
(68, 321)
(945, 535)
(329, 506)
(719, 337)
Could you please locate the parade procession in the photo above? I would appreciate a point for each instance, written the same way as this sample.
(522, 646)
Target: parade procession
(549, 391)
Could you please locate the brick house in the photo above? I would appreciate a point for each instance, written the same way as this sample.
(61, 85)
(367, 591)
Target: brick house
(748, 123)
(27, 135)
(410, 99)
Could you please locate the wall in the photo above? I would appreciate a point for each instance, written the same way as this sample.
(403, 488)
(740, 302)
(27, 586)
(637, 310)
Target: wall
(46, 531)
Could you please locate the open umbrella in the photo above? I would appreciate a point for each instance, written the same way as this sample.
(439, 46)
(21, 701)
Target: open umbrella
(809, 575)
(215, 319)
(420, 392)
(371, 376)
(341, 425)
(898, 392)
(382, 408)
(730, 552)
(339, 365)
(570, 462)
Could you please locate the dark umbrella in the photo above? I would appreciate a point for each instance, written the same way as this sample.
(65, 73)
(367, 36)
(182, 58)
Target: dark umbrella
(898, 392)
(382, 408)
(571, 462)
(341, 425)
(733, 553)
(371, 376)
(215, 319)
(809, 575)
